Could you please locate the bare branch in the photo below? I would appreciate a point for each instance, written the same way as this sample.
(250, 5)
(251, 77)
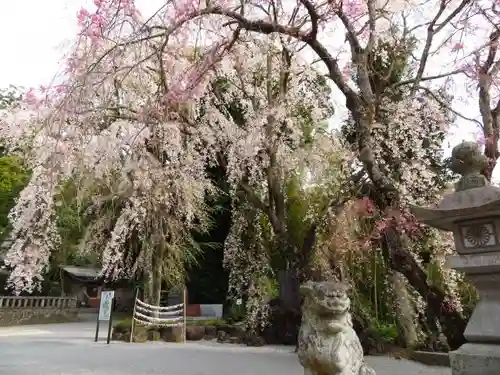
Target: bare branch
(447, 106)
(429, 78)
(432, 30)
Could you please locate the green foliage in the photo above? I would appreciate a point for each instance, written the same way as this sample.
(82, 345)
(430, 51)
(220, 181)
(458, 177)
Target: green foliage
(13, 178)
(372, 297)
(389, 65)
(207, 278)
(237, 313)
(269, 287)
(123, 325)
(297, 208)
(387, 333)
(72, 224)
(206, 322)
(468, 298)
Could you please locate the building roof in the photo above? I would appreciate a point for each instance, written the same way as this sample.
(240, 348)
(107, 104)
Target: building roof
(85, 273)
(82, 272)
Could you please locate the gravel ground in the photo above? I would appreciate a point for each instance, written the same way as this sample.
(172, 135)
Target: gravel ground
(69, 349)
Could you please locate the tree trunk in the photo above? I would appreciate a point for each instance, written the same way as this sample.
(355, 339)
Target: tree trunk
(400, 260)
(154, 280)
(289, 292)
(404, 309)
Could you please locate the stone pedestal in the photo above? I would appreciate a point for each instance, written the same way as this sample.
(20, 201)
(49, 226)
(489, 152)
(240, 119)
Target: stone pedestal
(481, 355)
(476, 359)
(483, 271)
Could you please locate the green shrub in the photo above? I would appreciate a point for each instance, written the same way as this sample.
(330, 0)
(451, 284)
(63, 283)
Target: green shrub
(387, 333)
(207, 322)
(236, 314)
(123, 325)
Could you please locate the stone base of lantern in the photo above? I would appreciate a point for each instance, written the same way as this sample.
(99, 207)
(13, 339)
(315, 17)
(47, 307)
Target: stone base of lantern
(476, 359)
(472, 213)
(481, 355)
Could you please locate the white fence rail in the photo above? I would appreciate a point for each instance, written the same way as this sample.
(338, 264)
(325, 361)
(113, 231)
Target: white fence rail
(159, 316)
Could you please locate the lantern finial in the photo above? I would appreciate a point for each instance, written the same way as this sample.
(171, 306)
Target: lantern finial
(468, 161)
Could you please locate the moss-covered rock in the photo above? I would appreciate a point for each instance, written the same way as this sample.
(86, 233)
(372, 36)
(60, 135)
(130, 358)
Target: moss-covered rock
(195, 333)
(210, 332)
(172, 334)
(154, 335)
(122, 328)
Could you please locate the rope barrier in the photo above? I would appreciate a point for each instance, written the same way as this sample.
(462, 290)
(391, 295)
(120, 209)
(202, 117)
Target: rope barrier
(155, 320)
(159, 316)
(160, 313)
(160, 308)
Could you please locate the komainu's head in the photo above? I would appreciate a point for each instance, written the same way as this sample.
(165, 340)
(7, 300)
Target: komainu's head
(326, 297)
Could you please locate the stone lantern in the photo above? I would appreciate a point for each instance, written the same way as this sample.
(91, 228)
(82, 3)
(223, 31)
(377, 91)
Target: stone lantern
(472, 213)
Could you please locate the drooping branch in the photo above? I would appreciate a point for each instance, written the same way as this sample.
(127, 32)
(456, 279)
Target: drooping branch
(334, 207)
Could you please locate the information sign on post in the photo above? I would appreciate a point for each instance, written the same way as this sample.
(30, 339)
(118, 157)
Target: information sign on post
(105, 312)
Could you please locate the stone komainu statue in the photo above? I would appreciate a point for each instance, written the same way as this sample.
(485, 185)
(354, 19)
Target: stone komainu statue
(328, 344)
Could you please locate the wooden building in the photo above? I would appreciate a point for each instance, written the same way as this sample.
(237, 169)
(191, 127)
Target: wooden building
(86, 285)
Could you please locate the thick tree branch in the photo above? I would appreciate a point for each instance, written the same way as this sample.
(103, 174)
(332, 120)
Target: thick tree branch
(313, 15)
(264, 27)
(433, 29)
(372, 19)
(489, 116)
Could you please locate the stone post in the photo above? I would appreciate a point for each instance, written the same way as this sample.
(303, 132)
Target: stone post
(472, 213)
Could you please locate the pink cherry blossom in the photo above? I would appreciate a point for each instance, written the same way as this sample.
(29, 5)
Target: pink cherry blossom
(82, 16)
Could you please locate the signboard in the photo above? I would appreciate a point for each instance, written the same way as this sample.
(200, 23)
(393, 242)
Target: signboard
(105, 312)
(106, 305)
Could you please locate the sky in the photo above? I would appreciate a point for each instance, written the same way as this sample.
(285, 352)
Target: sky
(32, 34)
(35, 34)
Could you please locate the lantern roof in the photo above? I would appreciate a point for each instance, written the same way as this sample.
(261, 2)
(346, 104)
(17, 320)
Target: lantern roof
(473, 198)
